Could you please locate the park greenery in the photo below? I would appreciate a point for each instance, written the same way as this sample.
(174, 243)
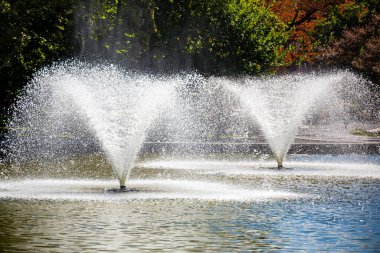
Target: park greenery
(213, 37)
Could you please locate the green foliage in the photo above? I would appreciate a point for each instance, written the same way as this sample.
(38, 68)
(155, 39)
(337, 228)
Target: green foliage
(361, 132)
(33, 33)
(340, 18)
(117, 30)
(257, 34)
(220, 36)
(187, 35)
(358, 48)
(212, 36)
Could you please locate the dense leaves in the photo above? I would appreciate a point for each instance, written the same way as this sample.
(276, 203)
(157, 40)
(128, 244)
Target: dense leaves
(33, 34)
(301, 19)
(116, 30)
(358, 48)
(211, 36)
(214, 37)
(258, 34)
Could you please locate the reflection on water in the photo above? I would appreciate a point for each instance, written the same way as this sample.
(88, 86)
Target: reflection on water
(140, 189)
(207, 207)
(317, 165)
(189, 225)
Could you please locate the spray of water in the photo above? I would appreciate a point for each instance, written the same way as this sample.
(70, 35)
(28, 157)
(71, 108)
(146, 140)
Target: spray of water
(75, 107)
(279, 104)
(77, 99)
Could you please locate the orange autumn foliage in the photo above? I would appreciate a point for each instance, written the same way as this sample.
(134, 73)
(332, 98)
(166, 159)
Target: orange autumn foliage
(302, 18)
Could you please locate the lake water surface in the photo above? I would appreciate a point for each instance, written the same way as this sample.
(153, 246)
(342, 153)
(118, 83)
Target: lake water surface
(319, 203)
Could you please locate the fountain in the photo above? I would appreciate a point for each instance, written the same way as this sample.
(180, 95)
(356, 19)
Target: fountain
(198, 148)
(75, 107)
(76, 99)
(193, 155)
(280, 104)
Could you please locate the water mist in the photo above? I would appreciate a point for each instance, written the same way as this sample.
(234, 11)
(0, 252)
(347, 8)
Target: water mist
(74, 99)
(280, 104)
(78, 108)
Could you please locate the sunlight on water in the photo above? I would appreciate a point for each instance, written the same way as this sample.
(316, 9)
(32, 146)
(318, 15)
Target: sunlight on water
(76, 122)
(256, 167)
(87, 190)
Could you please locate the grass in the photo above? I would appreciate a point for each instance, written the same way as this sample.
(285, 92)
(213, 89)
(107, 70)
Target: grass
(361, 132)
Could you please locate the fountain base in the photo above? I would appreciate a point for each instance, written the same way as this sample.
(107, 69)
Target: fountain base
(122, 188)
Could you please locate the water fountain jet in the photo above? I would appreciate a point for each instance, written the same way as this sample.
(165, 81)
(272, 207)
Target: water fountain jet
(74, 108)
(103, 104)
(279, 104)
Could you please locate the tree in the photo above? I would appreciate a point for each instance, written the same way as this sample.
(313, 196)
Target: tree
(220, 36)
(33, 33)
(118, 30)
(358, 48)
(301, 19)
(258, 36)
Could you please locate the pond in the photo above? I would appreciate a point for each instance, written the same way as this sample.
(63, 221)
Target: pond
(318, 203)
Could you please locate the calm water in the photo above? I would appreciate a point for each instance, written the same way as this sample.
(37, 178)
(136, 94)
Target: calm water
(210, 205)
